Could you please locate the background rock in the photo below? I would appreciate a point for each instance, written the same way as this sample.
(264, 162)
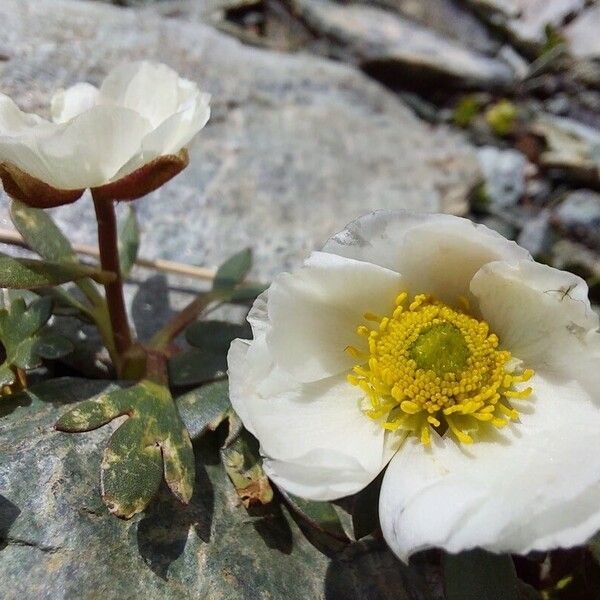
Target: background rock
(382, 41)
(297, 146)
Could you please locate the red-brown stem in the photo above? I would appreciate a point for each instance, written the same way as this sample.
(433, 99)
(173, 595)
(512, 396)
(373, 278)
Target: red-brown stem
(180, 321)
(109, 259)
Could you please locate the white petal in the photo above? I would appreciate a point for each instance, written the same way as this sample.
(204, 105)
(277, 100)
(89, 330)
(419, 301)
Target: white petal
(315, 440)
(533, 486)
(88, 150)
(314, 313)
(434, 253)
(73, 101)
(18, 133)
(153, 90)
(172, 135)
(543, 316)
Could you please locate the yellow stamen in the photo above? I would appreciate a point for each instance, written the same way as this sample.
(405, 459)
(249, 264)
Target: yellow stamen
(431, 366)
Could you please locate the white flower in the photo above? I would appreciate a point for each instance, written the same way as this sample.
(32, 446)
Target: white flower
(135, 126)
(438, 344)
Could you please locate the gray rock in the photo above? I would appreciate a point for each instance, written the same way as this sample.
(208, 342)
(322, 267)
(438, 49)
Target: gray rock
(58, 541)
(526, 20)
(579, 216)
(504, 173)
(297, 145)
(448, 18)
(582, 34)
(571, 147)
(383, 41)
(536, 235)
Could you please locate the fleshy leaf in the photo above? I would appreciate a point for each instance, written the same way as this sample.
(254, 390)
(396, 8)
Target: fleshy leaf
(247, 292)
(152, 441)
(53, 346)
(232, 272)
(195, 366)
(478, 574)
(205, 407)
(215, 336)
(320, 515)
(129, 241)
(243, 465)
(26, 273)
(41, 233)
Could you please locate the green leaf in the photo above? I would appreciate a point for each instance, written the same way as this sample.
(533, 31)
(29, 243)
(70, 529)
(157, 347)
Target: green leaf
(25, 273)
(41, 233)
(129, 241)
(320, 515)
(152, 442)
(204, 408)
(194, 367)
(53, 346)
(478, 574)
(215, 336)
(249, 292)
(243, 465)
(232, 272)
(24, 342)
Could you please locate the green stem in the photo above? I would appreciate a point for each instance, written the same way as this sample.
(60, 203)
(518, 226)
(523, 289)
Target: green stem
(180, 321)
(109, 260)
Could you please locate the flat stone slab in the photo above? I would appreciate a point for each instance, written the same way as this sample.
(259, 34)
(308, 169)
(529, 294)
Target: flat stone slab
(415, 53)
(296, 147)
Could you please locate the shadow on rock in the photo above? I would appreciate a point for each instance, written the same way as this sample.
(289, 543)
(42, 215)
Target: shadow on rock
(367, 569)
(150, 306)
(272, 526)
(8, 514)
(163, 532)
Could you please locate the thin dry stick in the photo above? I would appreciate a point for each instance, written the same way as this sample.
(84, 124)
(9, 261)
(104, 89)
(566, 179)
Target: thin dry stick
(8, 236)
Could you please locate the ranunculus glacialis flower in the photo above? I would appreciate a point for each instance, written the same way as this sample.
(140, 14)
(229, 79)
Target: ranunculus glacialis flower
(439, 347)
(122, 140)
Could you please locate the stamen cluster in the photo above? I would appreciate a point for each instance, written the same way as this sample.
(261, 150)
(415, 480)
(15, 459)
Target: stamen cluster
(429, 365)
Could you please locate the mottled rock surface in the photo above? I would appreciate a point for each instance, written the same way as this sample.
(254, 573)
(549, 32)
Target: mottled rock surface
(414, 54)
(58, 542)
(296, 147)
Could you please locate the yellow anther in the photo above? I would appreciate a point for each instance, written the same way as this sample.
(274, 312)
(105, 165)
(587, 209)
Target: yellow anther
(412, 408)
(355, 352)
(458, 379)
(369, 316)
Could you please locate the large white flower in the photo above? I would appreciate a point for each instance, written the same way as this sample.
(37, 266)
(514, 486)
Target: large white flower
(122, 139)
(438, 344)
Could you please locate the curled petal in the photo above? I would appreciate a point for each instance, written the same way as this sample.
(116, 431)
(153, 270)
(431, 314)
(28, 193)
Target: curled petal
(144, 180)
(543, 316)
(435, 254)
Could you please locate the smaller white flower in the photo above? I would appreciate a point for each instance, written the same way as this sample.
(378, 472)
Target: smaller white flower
(122, 139)
(438, 344)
